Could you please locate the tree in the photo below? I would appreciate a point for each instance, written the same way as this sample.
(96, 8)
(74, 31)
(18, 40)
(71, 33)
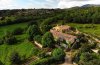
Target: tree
(58, 54)
(45, 28)
(32, 32)
(48, 40)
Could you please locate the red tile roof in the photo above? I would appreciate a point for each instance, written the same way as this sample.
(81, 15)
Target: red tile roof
(63, 36)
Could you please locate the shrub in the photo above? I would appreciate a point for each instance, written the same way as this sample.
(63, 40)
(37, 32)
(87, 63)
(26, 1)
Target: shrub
(86, 57)
(42, 55)
(17, 31)
(85, 48)
(77, 57)
(10, 39)
(1, 41)
(82, 38)
(15, 58)
(30, 37)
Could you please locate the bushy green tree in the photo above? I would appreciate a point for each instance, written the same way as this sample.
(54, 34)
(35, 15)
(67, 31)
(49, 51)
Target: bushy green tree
(45, 28)
(32, 32)
(58, 54)
(48, 40)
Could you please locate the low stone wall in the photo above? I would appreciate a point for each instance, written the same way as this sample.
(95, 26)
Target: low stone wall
(38, 44)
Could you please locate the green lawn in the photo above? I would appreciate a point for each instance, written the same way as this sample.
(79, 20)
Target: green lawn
(87, 28)
(3, 29)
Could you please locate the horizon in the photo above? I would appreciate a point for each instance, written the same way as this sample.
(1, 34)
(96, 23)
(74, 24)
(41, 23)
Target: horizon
(44, 4)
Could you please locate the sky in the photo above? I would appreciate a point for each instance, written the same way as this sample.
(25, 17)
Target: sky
(19, 4)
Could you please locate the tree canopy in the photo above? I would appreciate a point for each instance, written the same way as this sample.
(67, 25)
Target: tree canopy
(48, 40)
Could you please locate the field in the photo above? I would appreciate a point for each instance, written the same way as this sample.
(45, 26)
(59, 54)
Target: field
(3, 29)
(93, 29)
(24, 48)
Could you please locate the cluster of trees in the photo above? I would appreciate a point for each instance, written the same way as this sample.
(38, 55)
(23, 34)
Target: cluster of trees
(34, 33)
(57, 56)
(47, 39)
(85, 56)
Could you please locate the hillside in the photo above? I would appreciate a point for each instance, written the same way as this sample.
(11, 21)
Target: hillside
(50, 36)
(90, 5)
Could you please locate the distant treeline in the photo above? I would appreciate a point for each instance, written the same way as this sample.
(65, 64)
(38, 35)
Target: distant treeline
(72, 15)
(83, 15)
(8, 17)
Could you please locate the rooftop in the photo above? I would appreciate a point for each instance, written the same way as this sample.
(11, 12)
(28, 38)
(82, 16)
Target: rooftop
(57, 33)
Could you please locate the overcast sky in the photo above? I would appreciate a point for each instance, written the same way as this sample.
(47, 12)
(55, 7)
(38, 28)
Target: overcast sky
(17, 4)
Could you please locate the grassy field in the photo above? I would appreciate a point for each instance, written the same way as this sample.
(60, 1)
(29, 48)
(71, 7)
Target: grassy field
(24, 47)
(3, 29)
(93, 29)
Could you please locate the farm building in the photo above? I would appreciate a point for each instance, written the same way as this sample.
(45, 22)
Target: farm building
(59, 33)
